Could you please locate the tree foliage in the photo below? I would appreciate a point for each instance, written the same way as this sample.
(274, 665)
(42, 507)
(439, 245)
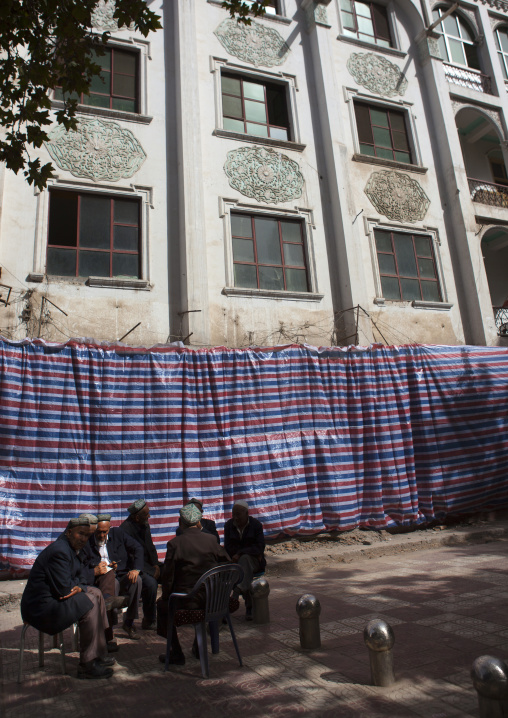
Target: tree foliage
(49, 44)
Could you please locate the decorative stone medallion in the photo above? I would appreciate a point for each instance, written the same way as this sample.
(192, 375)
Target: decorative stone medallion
(102, 17)
(264, 174)
(97, 150)
(397, 196)
(253, 43)
(377, 74)
(316, 15)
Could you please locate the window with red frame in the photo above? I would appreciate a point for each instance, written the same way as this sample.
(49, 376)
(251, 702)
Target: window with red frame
(382, 132)
(271, 7)
(253, 107)
(407, 266)
(269, 253)
(93, 235)
(367, 21)
(117, 85)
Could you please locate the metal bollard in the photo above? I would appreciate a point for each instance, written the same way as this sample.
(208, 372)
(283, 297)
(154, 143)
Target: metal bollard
(490, 678)
(260, 588)
(379, 639)
(308, 609)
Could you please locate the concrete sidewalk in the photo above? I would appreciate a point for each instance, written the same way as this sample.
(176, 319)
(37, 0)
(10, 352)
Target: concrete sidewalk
(447, 606)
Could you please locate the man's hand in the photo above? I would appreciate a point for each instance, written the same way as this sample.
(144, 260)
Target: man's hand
(157, 572)
(133, 576)
(74, 591)
(235, 558)
(113, 565)
(100, 569)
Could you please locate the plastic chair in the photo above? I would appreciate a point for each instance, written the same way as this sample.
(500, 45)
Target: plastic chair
(58, 642)
(218, 583)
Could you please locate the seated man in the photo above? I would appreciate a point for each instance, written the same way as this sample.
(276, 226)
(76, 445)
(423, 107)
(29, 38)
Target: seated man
(207, 525)
(136, 526)
(244, 541)
(188, 557)
(56, 596)
(116, 560)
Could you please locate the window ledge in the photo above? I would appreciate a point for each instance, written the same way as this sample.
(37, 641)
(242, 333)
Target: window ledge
(368, 159)
(284, 144)
(417, 304)
(272, 294)
(274, 18)
(118, 283)
(106, 112)
(372, 46)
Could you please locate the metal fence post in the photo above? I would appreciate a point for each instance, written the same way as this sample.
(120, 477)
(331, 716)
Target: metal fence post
(308, 609)
(490, 678)
(379, 638)
(260, 589)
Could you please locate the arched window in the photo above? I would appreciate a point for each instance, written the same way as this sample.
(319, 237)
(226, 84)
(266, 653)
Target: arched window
(456, 42)
(502, 49)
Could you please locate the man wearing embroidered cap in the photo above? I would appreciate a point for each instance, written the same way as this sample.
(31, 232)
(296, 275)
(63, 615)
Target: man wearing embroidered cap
(136, 526)
(207, 525)
(188, 557)
(244, 540)
(112, 554)
(56, 596)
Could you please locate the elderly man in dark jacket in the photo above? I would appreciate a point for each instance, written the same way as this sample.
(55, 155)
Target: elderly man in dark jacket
(56, 596)
(136, 526)
(207, 525)
(112, 552)
(244, 540)
(188, 557)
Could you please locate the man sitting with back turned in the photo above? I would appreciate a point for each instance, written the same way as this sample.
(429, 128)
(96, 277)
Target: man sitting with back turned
(207, 525)
(136, 526)
(56, 596)
(112, 553)
(188, 557)
(244, 541)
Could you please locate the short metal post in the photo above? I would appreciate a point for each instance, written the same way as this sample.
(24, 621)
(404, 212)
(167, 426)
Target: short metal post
(490, 678)
(308, 609)
(379, 638)
(260, 588)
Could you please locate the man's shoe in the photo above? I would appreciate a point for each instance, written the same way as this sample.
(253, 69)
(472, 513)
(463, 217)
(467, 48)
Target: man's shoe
(148, 625)
(116, 602)
(131, 632)
(95, 669)
(112, 646)
(106, 660)
(248, 613)
(174, 660)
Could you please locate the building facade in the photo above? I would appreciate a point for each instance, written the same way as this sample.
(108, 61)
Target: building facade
(334, 173)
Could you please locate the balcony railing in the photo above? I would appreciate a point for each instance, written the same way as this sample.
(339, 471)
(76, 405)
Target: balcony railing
(487, 193)
(465, 77)
(501, 318)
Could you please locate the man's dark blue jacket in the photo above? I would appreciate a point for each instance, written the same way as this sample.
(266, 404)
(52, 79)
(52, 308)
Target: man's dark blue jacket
(57, 569)
(251, 542)
(143, 535)
(126, 551)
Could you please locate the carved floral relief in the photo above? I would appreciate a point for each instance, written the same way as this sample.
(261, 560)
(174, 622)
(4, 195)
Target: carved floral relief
(97, 150)
(102, 17)
(377, 74)
(264, 174)
(255, 43)
(397, 196)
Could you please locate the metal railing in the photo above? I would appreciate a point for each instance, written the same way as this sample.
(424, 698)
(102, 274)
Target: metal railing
(465, 77)
(501, 319)
(488, 193)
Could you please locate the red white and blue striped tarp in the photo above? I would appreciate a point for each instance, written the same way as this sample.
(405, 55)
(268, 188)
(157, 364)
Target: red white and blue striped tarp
(314, 439)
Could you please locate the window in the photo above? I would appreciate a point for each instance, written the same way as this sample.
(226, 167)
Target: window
(117, 85)
(254, 107)
(268, 253)
(271, 7)
(382, 132)
(407, 266)
(502, 49)
(456, 41)
(93, 235)
(367, 21)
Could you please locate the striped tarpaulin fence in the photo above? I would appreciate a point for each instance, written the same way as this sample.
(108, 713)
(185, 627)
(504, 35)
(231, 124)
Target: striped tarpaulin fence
(314, 439)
